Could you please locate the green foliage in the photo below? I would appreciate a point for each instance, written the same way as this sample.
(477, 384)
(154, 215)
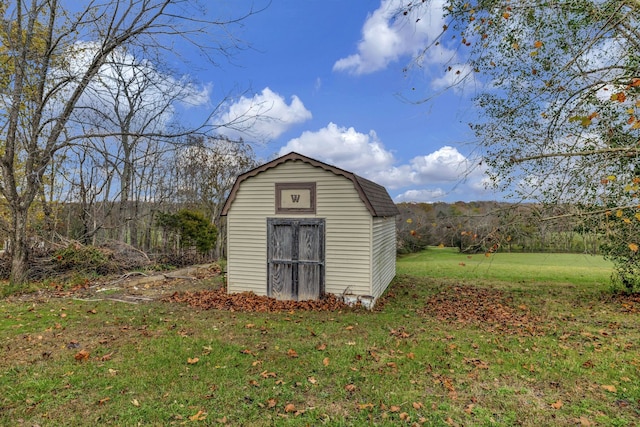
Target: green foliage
(192, 228)
(621, 247)
(559, 118)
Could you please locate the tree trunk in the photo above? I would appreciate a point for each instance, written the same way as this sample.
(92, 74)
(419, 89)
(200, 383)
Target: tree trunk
(19, 247)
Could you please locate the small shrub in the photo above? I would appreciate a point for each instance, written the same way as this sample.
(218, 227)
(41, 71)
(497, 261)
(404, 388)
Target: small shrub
(193, 228)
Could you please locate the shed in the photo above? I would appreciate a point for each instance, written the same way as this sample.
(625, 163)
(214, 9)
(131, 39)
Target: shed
(298, 228)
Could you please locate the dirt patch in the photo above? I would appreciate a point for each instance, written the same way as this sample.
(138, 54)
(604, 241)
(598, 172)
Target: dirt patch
(135, 287)
(489, 309)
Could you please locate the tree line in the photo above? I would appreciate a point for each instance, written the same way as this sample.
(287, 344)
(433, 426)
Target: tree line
(486, 227)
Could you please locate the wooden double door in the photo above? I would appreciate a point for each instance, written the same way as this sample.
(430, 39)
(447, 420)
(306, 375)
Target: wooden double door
(295, 258)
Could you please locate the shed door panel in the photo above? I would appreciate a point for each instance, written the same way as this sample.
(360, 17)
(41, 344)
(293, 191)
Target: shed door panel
(310, 260)
(281, 276)
(281, 261)
(295, 258)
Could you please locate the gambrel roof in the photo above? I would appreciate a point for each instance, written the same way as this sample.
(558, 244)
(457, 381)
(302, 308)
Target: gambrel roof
(374, 196)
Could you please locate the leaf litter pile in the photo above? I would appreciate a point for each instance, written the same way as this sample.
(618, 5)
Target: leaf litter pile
(219, 299)
(489, 308)
(630, 303)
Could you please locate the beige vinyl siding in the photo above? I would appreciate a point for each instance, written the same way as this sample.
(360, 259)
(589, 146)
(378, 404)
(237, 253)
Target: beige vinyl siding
(247, 242)
(384, 254)
(347, 230)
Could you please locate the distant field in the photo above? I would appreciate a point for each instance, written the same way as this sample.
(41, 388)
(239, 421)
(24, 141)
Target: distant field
(513, 267)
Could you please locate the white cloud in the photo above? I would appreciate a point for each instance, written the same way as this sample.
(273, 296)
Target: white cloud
(365, 155)
(444, 165)
(387, 35)
(343, 147)
(423, 195)
(265, 116)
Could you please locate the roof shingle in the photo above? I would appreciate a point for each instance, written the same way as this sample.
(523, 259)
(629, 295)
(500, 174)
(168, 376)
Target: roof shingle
(374, 196)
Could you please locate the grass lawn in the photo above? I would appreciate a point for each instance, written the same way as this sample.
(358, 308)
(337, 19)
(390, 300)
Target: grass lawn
(513, 339)
(578, 269)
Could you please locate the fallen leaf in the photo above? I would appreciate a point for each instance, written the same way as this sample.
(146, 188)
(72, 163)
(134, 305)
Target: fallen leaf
(312, 380)
(417, 405)
(348, 328)
(325, 361)
(271, 403)
(193, 361)
(82, 355)
(135, 402)
(404, 416)
(394, 408)
(584, 422)
(610, 388)
(198, 416)
(557, 405)
(350, 387)
(290, 407)
(469, 408)
(321, 347)
(363, 406)
(103, 401)
(292, 353)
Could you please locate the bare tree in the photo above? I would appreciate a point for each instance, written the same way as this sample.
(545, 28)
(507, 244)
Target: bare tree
(203, 173)
(43, 82)
(133, 103)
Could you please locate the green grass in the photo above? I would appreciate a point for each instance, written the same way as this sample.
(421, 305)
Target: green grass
(406, 364)
(577, 269)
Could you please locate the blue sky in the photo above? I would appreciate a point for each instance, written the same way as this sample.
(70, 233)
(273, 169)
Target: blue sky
(325, 78)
